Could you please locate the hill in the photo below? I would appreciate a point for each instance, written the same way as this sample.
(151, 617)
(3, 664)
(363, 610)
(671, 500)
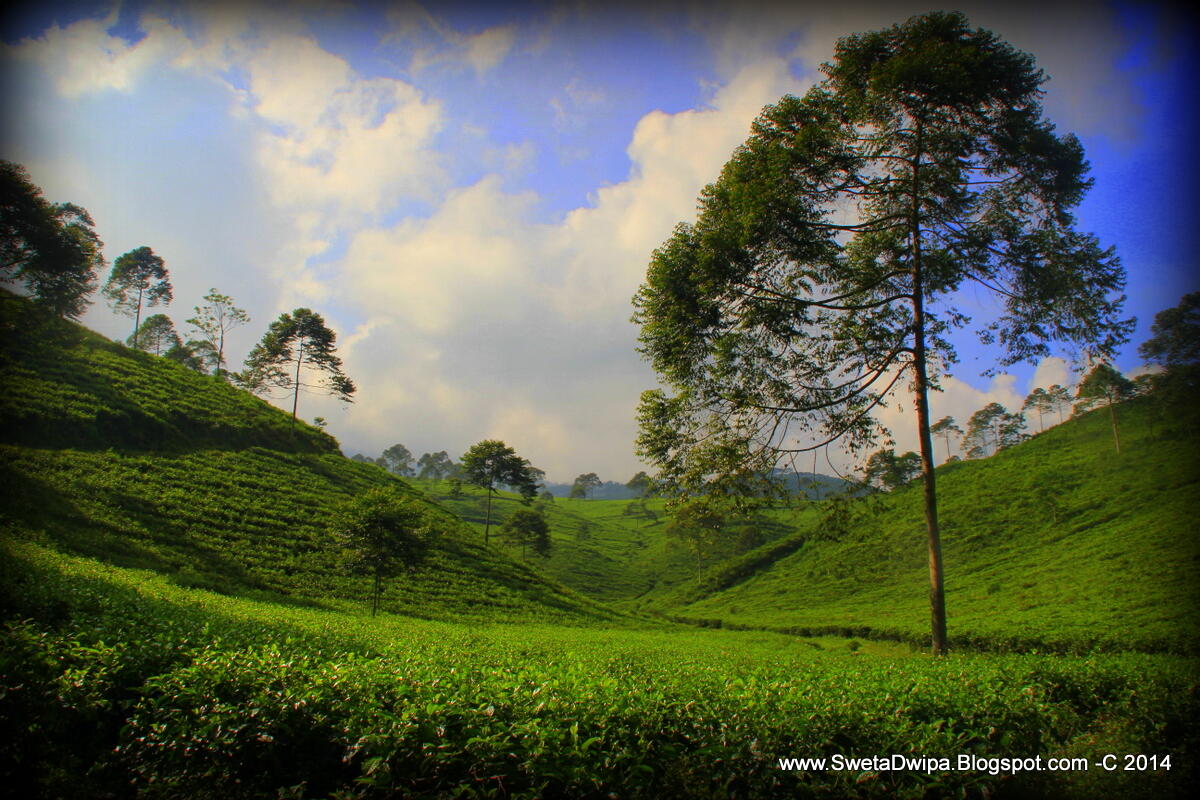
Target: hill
(1056, 542)
(119, 455)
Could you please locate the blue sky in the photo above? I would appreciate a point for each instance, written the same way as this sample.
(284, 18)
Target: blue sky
(469, 192)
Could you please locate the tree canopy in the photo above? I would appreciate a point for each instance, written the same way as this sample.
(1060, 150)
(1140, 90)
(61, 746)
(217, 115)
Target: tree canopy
(585, 484)
(528, 528)
(48, 248)
(397, 459)
(823, 265)
(295, 341)
(213, 321)
(1106, 386)
(384, 533)
(156, 335)
(492, 463)
(138, 278)
(991, 429)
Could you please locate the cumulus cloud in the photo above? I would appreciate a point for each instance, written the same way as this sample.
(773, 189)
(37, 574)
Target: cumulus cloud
(477, 316)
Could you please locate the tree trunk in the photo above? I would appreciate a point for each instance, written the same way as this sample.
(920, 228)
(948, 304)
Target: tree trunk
(296, 387)
(137, 320)
(221, 355)
(1112, 417)
(937, 599)
(487, 524)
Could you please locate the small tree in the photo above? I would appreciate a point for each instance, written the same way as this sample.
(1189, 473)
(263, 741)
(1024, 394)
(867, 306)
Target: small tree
(1104, 385)
(697, 524)
(584, 484)
(156, 335)
(384, 533)
(213, 321)
(944, 427)
(138, 278)
(398, 460)
(189, 354)
(492, 463)
(640, 483)
(293, 342)
(49, 248)
(528, 528)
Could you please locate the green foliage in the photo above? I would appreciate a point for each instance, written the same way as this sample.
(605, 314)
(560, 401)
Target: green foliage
(138, 278)
(583, 484)
(528, 528)
(292, 343)
(492, 463)
(49, 248)
(1175, 335)
(889, 471)
(137, 686)
(213, 321)
(88, 393)
(397, 459)
(1055, 546)
(991, 429)
(156, 335)
(384, 533)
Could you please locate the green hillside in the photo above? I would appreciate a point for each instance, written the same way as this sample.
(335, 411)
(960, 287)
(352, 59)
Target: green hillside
(1055, 542)
(126, 457)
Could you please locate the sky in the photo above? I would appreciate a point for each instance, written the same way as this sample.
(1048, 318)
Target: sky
(469, 192)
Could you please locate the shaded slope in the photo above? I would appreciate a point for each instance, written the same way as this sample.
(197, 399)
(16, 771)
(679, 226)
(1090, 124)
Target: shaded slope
(1056, 542)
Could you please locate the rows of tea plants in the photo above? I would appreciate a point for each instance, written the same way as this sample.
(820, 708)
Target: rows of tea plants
(257, 519)
(119, 682)
(75, 388)
(1055, 543)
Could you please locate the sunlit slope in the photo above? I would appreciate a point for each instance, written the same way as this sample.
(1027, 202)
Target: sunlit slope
(617, 551)
(214, 507)
(1056, 542)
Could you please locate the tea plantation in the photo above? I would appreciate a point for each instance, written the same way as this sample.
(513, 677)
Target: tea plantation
(177, 621)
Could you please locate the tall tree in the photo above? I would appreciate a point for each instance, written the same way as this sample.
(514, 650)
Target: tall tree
(528, 528)
(291, 343)
(156, 335)
(1175, 346)
(1059, 398)
(991, 429)
(384, 533)
(50, 249)
(138, 278)
(213, 321)
(1039, 400)
(1106, 386)
(823, 263)
(492, 463)
(584, 484)
(889, 471)
(435, 466)
(397, 459)
(945, 427)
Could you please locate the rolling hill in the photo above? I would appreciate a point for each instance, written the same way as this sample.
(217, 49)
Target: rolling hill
(118, 455)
